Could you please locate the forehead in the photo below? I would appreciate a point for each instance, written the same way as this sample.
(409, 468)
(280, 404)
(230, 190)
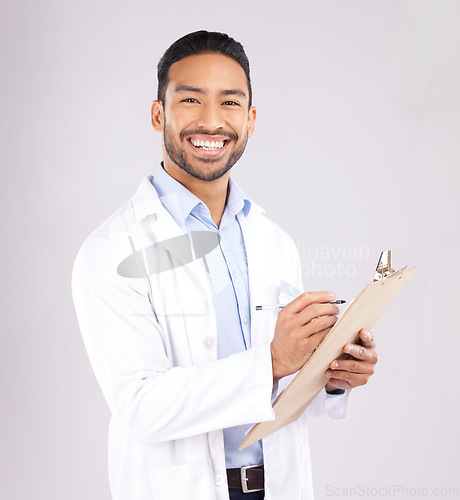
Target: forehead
(207, 71)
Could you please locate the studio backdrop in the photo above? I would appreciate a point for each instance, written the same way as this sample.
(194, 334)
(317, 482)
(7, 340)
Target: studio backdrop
(356, 150)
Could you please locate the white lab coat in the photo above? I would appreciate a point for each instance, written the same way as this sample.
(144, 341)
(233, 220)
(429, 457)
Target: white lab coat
(152, 343)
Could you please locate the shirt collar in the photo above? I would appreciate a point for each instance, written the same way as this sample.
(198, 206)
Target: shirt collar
(237, 199)
(146, 200)
(180, 202)
(175, 197)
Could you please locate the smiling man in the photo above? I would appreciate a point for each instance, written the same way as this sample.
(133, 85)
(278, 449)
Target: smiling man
(192, 109)
(184, 359)
(206, 117)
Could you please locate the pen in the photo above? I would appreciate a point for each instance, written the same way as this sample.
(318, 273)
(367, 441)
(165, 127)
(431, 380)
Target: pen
(280, 306)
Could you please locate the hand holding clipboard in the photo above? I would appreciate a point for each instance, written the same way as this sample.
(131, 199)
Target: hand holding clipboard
(365, 310)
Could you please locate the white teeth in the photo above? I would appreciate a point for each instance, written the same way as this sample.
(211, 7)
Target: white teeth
(207, 145)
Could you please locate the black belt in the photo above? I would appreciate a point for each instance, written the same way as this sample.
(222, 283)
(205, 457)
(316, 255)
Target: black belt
(248, 479)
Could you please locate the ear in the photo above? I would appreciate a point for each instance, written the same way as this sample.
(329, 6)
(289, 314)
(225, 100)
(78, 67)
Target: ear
(251, 120)
(157, 116)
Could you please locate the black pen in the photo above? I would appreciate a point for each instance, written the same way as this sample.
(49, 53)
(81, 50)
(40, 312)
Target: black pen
(280, 306)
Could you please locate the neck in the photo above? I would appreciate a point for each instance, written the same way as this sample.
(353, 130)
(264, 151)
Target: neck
(212, 193)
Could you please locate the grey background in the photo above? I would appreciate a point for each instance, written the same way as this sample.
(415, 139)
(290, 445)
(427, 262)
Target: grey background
(356, 150)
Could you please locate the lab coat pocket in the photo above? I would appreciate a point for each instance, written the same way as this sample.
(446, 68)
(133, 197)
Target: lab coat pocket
(190, 480)
(287, 292)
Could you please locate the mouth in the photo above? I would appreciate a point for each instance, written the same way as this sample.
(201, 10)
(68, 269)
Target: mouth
(209, 145)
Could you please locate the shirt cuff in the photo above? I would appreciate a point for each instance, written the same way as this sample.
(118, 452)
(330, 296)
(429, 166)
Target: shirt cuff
(336, 392)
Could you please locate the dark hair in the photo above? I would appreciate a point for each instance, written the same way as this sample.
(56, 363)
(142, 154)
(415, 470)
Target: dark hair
(201, 42)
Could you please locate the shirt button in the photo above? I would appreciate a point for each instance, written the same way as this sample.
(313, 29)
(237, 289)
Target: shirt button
(208, 343)
(220, 480)
(245, 320)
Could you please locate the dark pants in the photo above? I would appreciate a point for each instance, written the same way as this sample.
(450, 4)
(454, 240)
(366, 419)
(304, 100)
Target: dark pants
(239, 495)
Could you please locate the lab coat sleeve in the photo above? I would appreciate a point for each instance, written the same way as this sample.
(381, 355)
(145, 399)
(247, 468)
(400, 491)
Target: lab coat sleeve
(333, 407)
(154, 400)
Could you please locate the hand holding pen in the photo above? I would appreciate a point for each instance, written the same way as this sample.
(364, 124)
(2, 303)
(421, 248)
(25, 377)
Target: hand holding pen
(300, 327)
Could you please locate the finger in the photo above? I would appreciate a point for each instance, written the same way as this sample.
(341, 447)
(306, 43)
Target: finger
(353, 379)
(307, 298)
(362, 353)
(314, 311)
(367, 338)
(352, 366)
(321, 323)
(312, 342)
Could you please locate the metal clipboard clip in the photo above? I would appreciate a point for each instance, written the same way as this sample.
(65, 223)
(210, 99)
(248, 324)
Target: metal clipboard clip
(384, 268)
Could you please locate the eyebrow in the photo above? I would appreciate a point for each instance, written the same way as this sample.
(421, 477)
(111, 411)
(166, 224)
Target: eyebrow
(199, 90)
(233, 92)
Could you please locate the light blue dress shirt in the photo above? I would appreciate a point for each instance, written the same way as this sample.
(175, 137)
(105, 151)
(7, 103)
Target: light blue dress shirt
(228, 275)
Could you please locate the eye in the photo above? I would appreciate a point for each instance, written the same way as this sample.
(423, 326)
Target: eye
(189, 99)
(231, 103)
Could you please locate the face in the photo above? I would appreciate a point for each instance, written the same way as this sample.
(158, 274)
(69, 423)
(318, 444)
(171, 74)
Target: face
(205, 119)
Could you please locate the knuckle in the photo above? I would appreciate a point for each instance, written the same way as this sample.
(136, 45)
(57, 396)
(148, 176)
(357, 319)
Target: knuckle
(314, 309)
(301, 334)
(318, 322)
(291, 322)
(280, 321)
(288, 323)
(307, 344)
(321, 323)
(330, 321)
(302, 344)
(283, 314)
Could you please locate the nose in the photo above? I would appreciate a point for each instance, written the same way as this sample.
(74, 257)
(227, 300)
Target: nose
(210, 116)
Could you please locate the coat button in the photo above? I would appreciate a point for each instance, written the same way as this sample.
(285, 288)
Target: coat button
(220, 480)
(208, 342)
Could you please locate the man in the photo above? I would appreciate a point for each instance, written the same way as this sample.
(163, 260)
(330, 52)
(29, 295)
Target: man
(165, 292)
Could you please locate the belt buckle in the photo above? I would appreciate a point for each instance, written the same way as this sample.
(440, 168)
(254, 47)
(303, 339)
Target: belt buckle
(244, 479)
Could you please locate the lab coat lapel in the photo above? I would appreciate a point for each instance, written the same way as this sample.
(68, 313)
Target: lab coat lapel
(182, 295)
(157, 226)
(254, 241)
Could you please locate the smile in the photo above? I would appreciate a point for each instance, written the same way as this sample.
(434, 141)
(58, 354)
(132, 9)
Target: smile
(208, 145)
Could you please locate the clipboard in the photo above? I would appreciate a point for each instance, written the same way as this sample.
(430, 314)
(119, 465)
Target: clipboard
(363, 312)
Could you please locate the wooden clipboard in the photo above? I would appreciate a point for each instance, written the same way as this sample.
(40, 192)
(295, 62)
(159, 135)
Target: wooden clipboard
(363, 312)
